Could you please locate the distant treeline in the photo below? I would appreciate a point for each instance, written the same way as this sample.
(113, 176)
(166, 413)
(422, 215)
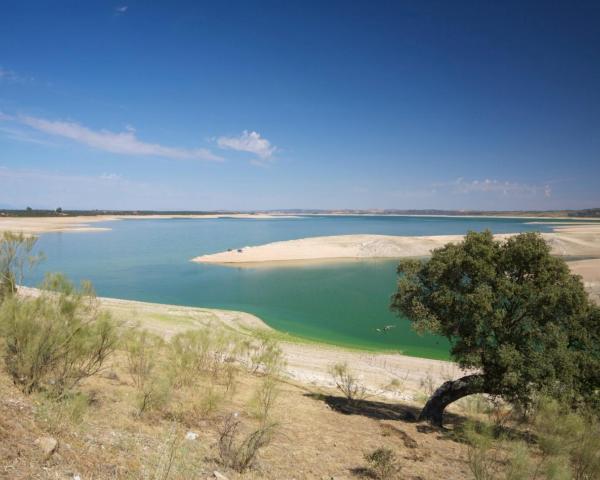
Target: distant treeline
(59, 212)
(30, 212)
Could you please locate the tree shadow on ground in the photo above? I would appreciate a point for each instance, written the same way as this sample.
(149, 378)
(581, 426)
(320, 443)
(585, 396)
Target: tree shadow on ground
(387, 411)
(369, 408)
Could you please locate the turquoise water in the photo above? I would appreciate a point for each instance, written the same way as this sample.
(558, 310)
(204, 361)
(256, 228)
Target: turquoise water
(341, 303)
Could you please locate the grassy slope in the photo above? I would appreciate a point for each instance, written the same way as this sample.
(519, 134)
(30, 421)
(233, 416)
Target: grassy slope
(106, 439)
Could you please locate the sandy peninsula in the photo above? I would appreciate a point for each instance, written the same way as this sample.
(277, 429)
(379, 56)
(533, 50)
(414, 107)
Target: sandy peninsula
(567, 241)
(36, 225)
(573, 241)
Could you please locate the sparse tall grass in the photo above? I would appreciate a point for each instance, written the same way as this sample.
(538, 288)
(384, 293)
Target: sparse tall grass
(63, 415)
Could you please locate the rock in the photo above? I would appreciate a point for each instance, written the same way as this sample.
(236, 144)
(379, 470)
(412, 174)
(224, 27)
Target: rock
(48, 445)
(219, 476)
(191, 436)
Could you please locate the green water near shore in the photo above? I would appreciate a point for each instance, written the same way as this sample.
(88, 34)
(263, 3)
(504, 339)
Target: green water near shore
(341, 303)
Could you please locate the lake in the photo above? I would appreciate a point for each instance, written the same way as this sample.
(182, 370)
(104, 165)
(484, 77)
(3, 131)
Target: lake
(340, 303)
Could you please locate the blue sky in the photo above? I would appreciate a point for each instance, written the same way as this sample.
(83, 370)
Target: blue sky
(266, 105)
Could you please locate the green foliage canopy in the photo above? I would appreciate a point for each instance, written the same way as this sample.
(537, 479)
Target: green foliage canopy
(511, 311)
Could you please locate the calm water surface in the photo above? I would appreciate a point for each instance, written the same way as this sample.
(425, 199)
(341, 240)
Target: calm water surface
(341, 303)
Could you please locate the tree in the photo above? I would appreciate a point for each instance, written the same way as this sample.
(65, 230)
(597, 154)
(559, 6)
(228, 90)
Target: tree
(515, 316)
(15, 256)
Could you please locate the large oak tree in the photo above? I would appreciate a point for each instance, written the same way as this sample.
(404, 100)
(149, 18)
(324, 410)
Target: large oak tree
(518, 321)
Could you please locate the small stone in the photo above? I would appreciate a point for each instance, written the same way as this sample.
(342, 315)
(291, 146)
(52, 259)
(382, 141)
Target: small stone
(219, 476)
(191, 436)
(48, 445)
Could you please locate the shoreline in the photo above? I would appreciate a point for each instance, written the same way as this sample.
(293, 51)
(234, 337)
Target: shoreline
(37, 225)
(307, 362)
(83, 223)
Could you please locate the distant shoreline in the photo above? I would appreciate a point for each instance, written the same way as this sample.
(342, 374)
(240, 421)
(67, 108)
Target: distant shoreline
(83, 223)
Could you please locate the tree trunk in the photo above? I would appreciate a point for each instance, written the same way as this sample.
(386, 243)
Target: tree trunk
(447, 393)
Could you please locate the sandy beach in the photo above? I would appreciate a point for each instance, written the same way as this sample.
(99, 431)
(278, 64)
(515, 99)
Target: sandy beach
(36, 225)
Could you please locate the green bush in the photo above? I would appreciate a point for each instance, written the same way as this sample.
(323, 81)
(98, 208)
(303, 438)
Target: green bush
(205, 351)
(239, 451)
(54, 341)
(143, 349)
(264, 398)
(153, 386)
(15, 256)
(383, 463)
(347, 382)
(264, 354)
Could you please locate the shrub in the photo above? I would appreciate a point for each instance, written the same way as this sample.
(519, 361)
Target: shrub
(153, 394)
(383, 463)
(57, 339)
(347, 383)
(143, 349)
(15, 250)
(188, 356)
(210, 401)
(481, 452)
(241, 454)
(563, 434)
(264, 398)
(153, 387)
(207, 350)
(264, 355)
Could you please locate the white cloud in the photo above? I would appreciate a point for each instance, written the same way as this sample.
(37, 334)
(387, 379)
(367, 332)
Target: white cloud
(125, 143)
(121, 9)
(110, 176)
(20, 135)
(250, 142)
(8, 75)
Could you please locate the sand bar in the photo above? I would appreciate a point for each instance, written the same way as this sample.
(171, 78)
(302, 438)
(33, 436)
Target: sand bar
(574, 241)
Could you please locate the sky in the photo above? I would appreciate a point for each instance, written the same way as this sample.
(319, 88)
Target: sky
(257, 105)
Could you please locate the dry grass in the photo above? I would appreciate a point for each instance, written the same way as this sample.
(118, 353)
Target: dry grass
(312, 440)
